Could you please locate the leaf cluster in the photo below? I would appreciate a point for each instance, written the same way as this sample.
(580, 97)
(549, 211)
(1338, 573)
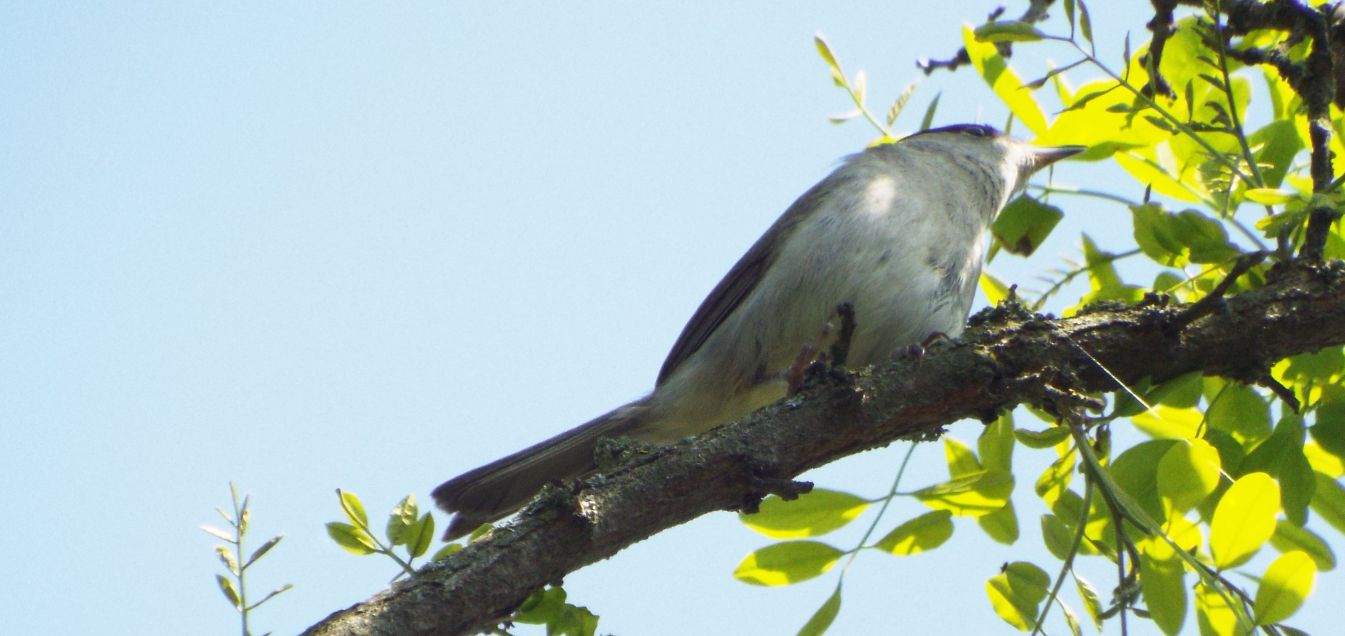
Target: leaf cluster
(1229, 477)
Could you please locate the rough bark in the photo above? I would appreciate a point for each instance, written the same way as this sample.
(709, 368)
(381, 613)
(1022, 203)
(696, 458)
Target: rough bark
(1005, 360)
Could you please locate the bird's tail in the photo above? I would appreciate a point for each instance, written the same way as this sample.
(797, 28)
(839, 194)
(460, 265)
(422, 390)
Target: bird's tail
(504, 485)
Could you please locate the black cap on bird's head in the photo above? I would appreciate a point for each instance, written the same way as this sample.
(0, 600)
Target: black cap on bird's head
(1018, 159)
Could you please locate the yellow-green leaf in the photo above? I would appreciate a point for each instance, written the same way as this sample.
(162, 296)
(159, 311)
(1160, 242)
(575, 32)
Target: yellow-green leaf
(1328, 501)
(1214, 615)
(995, 444)
(961, 459)
(824, 616)
(1161, 582)
(1244, 519)
(1091, 602)
(1007, 31)
(1041, 439)
(352, 539)
(1284, 587)
(1024, 224)
(994, 289)
(1001, 525)
(787, 563)
(420, 536)
(1056, 478)
(1188, 472)
(353, 508)
(823, 49)
(812, 514)
(1006, 84)
(973, 495)
(1289, 538)
(226, 586)
(1016, 592)
(1057, 535)
(1166, 422)
(926, 532)
(1270, 196)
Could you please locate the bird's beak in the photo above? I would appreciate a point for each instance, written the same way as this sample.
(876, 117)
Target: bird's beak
(1045, 156)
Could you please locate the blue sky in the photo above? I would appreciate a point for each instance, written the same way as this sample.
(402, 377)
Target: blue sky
(370, 246)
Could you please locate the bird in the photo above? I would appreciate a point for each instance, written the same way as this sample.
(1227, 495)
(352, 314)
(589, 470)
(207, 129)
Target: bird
(896, 234)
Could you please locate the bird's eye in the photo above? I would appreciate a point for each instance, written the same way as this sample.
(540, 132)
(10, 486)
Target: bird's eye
(978, 131)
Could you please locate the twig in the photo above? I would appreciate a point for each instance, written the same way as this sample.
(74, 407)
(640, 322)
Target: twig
(1036, 12)
(1161, 27)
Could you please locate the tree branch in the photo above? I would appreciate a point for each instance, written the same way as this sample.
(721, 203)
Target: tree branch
(1008, 358)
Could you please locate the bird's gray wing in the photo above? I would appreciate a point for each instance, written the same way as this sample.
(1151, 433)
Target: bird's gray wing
(738, 283)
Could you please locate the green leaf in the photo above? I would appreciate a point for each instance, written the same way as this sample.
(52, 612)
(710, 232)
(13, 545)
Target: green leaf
(573, 621)
(1104, 282)
(824, 616)
(1057, 535)
(1279, 143)
(1284, 587)
(1214, 615)
(928, 119)
(926, 532)
(1136, 471)
(227, 558)
(543, 606)
(1270, 196)
(1085, 23)
(1289, 537)
(1329, 429)
(1166, 422)
(1091, 602)
(420, 536)
(1244, 520)
(1281, 456)
(812, 514)
(1180, 392)
(1056, 478)
(1023, 225)
(284, 588)
(1298, 485)
(350, 538)
(1178, 239)
(960, 458)
(1328, 501)
(1188, 473)
(994, 289)
(1001, 525)
(1239, 411)
(973, 495)
(1313, 367)
(1041, 439)
(446, 551)
(1007, 31)
(230, 592)
(1016, 592)
(824, 49)
(1164, 589)
(787, 563)
(244, 515)
(402, 520)
(996, 444)
(1230, 452)
(353, 508)
(265, 547)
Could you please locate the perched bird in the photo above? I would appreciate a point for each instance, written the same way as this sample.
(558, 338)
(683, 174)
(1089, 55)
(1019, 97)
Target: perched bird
(897, 233)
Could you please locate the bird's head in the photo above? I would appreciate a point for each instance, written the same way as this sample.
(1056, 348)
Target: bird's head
(1013, 161)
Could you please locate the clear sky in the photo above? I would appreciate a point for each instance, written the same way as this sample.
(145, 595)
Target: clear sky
(370, 246)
